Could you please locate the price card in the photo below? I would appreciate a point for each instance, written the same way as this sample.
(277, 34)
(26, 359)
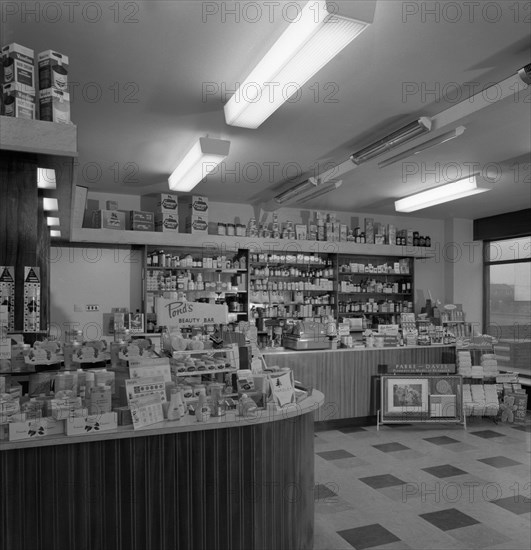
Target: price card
(146, 410)
(139, 387)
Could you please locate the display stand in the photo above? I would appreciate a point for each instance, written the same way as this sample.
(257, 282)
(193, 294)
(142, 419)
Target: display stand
(421, 398)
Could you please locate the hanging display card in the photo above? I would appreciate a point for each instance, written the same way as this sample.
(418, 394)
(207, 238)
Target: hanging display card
(32, 299)
(177, 313)
(7, 293)
(5, 341)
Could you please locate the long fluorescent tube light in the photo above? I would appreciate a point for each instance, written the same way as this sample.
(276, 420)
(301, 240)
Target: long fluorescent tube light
(201, 160)
(295, 191)
(46, 178)
(50, 204)
(52, 221)
(405, 134)
(448, 136)
(322, 191)
(305, 47)
(437, 195)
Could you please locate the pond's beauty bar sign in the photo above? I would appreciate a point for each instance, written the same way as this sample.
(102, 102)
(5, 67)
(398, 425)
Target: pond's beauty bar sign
(176, 313)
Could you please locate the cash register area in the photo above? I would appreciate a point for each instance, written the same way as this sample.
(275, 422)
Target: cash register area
(424, 487)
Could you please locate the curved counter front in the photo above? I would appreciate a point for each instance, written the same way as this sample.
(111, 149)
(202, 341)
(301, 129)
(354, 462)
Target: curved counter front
(239, 483)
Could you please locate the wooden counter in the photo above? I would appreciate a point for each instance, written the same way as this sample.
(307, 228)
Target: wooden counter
(348, 377)
(239, 484)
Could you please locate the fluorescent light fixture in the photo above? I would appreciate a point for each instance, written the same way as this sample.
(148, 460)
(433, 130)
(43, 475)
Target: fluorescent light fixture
(310, 41)
(405, 134)
(437, 195)
(52, 222)
(423, 146)
(55, 233)
(50, 204)
(200, 161)
(46, 178)
(322, 191)
(295, 191)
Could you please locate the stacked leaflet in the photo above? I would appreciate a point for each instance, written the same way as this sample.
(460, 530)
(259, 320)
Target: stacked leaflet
(491, 399)
(467, 400)
(477, 371)
(478, 398)
(464, 362)
(490, 365)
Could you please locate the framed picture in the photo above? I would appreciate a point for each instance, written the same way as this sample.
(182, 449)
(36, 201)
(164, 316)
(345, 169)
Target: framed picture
(407, 395)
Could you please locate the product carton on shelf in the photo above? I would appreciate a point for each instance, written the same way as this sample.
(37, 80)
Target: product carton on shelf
(196, 225)
(193, 205)
(19, 101)
(160, 203)
(18, 65)
(53, 70)
(166, 223)
(139, 220)
(369, 230)
(108, 219)
(34, 429)
(54, 106)
(92, 424)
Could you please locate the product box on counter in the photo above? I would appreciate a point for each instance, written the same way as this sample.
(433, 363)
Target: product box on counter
(369, 230)
(33, 429)
(92, 424)
(166, 222)
(18, 65)
(139, 220)
(196, 224)
(107, 219)
(391, 234)
(54, 106)
(53, 70)
(19, 100)
(160, 203)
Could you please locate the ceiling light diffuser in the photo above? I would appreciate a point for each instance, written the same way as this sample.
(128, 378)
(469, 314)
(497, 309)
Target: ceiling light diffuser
(50, 204)
(201, 160)
(423, 146)
(309, 42)
(55, 233)
(52, 222)
(46, 178)
(437, 195)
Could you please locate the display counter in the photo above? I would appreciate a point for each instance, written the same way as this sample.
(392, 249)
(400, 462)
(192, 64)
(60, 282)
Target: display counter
(348, 376)
(238, 483)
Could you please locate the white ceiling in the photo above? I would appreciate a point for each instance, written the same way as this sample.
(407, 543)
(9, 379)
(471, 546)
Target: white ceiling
(138, 70)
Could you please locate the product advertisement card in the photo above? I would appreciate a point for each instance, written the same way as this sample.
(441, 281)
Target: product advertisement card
(5, 341)
(139, 387)
(32, 299)
(146, 368)
(146, 410)
(282, 389)
(7, 293)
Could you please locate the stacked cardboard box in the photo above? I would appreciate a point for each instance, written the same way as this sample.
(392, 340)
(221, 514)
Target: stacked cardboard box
(18, 90)
(193, 210)
(54, 99)
(165, 208)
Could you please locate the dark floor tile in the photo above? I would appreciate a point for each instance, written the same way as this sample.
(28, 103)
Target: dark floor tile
(322, 492)
(449, 519)
(352, 429)
(445, 470)
(517, 504)
(523, 428)
(441, 440)
(487, 434)
(368, 536)
(499, 461)
(335, 455)
(391, 447)
(379, 482)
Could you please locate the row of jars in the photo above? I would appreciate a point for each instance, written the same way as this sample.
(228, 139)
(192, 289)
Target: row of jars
(311, 259)
(376, 307)
(294, 311)
(279, 286)
(370, 285)
(161, 259)
(267, 271)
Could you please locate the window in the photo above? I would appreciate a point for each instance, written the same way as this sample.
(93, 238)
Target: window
(508, 301)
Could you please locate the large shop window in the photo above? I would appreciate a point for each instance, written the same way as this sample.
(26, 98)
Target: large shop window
(508, 300)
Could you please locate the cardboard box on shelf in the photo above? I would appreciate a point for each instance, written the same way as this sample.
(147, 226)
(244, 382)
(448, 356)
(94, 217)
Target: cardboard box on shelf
(193, 205)
(197, 224)
(391, 234)
(369, 230)
(108, 219)
(19, 101)
(160, 203)
(18, 65)
(53, 70)
(166, 222)
(139, 220)
(111, 205)
(54, 106)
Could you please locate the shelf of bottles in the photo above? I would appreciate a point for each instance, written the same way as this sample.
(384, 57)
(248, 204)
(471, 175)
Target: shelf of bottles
(379, 287)
(197, 275)
(291, 287)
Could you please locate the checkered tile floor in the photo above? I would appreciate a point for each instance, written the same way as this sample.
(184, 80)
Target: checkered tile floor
(424, 487)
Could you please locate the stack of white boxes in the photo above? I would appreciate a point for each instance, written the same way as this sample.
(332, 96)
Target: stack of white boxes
(193, 210)
(479, 402)
(464, 363)
(18, 91)
(165, 207)
(490, 365)
(54, 99)
(491, 400)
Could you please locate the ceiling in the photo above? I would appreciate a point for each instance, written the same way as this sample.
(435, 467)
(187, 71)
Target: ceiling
(139, 70)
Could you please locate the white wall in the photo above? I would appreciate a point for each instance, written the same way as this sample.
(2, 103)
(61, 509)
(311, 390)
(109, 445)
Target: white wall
(83, 275)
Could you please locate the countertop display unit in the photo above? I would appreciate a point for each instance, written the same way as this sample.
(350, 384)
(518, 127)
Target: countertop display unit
(236, 482)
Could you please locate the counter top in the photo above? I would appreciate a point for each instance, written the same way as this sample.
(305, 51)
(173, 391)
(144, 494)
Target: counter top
(187, 424)
(279, 351)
